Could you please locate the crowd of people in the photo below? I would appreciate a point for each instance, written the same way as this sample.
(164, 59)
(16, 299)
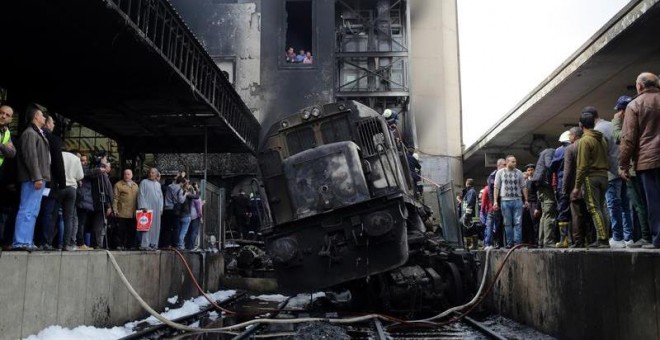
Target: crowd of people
(599, 189)
(301, 58)
(54, 198)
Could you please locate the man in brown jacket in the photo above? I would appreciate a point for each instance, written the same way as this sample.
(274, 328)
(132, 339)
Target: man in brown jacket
(124, 204)
(33, 173)
(640, 141)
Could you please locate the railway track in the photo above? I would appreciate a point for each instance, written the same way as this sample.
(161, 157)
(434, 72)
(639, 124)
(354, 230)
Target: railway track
(248, 309)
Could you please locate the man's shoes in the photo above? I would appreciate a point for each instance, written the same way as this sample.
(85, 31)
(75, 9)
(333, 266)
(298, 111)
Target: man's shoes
(488, 247)
(617, 244)
(649, 246)
(641, 242)
(71, 248)
(600, 244)
(84, 247)
(563, 243)
(631, 244)
(119, 248)
(577, 245)
(47, 247)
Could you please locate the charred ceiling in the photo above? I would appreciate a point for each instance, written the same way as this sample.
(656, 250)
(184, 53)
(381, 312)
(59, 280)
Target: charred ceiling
(129, 69)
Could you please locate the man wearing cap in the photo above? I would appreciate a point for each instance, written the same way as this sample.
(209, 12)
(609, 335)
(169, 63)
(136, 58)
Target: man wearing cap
(634, 186)
(591, 174)
(563, 201)
(640, 141)
(615, 196)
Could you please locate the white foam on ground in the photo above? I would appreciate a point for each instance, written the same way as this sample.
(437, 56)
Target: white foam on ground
(173, 299)
(270, 298)
(81, 332)
(299, 301)
(88, 332)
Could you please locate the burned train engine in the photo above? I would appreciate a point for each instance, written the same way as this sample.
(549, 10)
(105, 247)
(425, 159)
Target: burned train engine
(340, 194)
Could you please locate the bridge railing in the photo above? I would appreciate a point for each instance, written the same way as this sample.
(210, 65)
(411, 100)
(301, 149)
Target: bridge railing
(160, 25)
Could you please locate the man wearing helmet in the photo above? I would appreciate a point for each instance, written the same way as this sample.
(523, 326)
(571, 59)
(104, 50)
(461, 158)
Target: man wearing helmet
(563, 199)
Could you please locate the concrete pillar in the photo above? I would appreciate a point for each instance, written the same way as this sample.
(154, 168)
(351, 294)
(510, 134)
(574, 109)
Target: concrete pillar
(434, 86)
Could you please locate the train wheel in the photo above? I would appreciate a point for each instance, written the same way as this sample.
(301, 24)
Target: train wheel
(454, 281)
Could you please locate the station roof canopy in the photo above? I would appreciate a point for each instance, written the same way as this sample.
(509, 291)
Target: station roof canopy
(129, 69)
(603, 69)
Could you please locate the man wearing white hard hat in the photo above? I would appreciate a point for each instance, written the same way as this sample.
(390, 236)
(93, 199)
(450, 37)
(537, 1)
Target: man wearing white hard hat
(390, 116)
(563, 199)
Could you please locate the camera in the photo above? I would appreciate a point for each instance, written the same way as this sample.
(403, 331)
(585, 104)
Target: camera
(98, 156)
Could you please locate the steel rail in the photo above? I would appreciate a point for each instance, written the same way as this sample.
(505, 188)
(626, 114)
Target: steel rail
(483, 329)
(184, 319)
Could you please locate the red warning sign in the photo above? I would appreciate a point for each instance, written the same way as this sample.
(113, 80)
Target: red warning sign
(144, 219)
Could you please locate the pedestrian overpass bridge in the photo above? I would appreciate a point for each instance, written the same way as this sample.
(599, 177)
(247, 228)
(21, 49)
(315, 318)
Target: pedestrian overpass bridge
(129, 69)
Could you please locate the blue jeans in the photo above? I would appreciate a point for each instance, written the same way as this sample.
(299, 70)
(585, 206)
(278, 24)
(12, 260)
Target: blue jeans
(651, 186)
(491, 228)
(193, 232)
(512, 213)
(27, 214)
(618, 206)
(184, 223)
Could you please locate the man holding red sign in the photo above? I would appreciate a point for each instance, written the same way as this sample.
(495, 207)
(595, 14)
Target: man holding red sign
(124, 203)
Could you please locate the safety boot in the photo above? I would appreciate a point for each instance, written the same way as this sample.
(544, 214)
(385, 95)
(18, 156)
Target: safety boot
(563, 231)
(475, 243)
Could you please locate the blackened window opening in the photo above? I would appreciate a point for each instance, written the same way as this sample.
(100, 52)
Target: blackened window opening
(299, 26)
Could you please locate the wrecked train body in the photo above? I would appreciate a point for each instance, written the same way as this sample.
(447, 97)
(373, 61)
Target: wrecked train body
(340, 192)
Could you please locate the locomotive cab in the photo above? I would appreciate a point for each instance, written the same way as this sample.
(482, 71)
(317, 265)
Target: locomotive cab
(339, 193)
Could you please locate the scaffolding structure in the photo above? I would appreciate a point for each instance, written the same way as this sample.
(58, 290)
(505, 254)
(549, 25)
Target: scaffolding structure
(371, 53)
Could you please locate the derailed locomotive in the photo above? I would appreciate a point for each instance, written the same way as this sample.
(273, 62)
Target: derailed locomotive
(341, 196)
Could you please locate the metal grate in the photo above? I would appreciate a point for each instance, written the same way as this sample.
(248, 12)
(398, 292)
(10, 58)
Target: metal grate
(300, 140)
(370, 135)
(158, 23)
(336, 130)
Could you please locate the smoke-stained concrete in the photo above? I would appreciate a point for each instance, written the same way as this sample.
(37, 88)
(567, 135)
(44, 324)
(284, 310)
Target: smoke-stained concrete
(579, 293)
(435, 88)
(255, 33)
(230, 30)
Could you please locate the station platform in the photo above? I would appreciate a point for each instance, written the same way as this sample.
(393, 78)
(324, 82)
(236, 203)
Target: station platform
(69, 289)
(579, 293)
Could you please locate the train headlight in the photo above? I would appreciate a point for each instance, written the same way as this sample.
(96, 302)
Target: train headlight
(378, 223)
(285, 124)
(305, 114)
(284, 249)
(316, 112)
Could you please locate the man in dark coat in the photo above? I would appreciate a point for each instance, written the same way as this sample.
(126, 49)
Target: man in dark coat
(33, 174)
(50, 205)
(546, 197)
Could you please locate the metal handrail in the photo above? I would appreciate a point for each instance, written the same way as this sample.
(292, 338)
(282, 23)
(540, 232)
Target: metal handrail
(158, 23)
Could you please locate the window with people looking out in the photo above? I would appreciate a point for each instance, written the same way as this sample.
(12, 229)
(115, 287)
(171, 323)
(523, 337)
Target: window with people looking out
(298, 41)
